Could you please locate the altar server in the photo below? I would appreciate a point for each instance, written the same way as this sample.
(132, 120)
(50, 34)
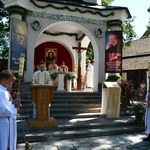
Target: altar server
(41, 76)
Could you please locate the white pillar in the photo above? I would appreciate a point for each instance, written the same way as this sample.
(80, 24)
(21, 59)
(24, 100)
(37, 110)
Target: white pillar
(61, 82)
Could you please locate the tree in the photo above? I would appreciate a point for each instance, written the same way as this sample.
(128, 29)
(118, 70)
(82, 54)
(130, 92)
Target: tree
(90, 52)
(107, 2)
(128, 32)
(147, 34)
(127, 28)
(4, 34)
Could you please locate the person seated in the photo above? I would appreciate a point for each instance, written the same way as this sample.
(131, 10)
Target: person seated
(63, 67)
(53, 66)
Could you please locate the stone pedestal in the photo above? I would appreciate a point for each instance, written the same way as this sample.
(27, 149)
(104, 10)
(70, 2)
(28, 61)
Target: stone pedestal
(61, 82)
(110, 106)
(42, 96)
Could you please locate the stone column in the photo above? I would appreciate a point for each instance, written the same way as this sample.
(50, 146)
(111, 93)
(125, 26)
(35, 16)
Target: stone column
(17, 12)
(114, 24)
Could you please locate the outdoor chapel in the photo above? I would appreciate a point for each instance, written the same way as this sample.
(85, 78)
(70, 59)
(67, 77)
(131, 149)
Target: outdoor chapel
(64, 28)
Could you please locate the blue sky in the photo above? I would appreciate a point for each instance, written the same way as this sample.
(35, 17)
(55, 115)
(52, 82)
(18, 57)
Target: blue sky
(137, 8)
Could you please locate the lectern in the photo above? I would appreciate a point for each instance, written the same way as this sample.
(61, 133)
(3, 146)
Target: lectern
(42, 95)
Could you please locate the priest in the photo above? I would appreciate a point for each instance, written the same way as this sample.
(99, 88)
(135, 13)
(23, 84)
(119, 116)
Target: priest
(8, 113)
(63, 67)
(89, 75)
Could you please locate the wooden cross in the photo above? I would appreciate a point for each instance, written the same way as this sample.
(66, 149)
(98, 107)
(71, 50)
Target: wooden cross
(79, 50)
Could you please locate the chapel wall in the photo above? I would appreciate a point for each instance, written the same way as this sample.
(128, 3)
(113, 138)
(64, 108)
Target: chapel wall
(88, 28)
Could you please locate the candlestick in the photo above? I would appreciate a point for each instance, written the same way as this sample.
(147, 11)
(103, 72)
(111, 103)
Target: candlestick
(21, 66)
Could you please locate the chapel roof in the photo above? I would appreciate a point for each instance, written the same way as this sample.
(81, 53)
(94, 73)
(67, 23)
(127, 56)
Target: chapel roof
(137, 55)
(82, 3)
(138, 47)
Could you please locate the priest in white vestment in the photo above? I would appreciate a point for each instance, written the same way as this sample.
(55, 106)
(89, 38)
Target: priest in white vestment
(89, 75)
(147, 117)
(7, 113)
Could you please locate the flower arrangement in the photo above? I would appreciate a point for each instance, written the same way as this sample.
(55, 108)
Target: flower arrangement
(53, 75)
(69, 76)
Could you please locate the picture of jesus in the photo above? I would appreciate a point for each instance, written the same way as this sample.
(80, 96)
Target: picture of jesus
(50, 55)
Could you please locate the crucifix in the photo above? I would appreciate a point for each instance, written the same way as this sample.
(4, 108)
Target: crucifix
(79, 50)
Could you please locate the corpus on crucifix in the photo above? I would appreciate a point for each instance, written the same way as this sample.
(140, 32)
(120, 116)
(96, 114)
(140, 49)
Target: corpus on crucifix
(79, 50)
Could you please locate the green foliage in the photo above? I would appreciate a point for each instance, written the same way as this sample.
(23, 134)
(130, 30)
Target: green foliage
(90, 52)
(147, 34)
(148, 9)
(128, 31)
(53, 75)
(69, 76)
(4, 34)
(113, 78)
(107, 2)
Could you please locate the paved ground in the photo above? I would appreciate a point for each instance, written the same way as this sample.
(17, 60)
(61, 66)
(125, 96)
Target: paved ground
(131, 141)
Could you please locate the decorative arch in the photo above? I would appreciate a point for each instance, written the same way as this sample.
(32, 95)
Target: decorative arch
(69, 40)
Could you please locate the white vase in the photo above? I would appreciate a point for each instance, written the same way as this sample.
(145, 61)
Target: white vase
(69, 86)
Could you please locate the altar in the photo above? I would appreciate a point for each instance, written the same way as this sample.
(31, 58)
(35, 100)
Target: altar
(63, 79)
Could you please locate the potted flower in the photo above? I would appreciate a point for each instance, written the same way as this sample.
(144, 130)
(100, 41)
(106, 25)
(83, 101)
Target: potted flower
(53, 75)
(69, 76)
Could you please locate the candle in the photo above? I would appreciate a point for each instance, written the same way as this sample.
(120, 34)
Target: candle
(21, 66)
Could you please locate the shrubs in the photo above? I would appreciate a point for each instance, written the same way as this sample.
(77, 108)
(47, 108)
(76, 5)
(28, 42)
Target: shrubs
(113, 78)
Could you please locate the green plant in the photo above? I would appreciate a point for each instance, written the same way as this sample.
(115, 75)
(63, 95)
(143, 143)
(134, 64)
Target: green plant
(113, 78)
(54, 75)
(69, 76)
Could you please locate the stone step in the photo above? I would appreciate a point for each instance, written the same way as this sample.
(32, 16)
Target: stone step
(71, 113)
(92, 127)
(77, 114)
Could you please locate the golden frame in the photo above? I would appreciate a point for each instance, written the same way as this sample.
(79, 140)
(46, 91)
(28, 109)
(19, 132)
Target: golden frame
(48, 52)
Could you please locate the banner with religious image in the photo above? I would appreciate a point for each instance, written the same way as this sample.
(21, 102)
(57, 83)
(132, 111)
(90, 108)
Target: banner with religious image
(18, 43)
(113, 52)
(50, 54)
